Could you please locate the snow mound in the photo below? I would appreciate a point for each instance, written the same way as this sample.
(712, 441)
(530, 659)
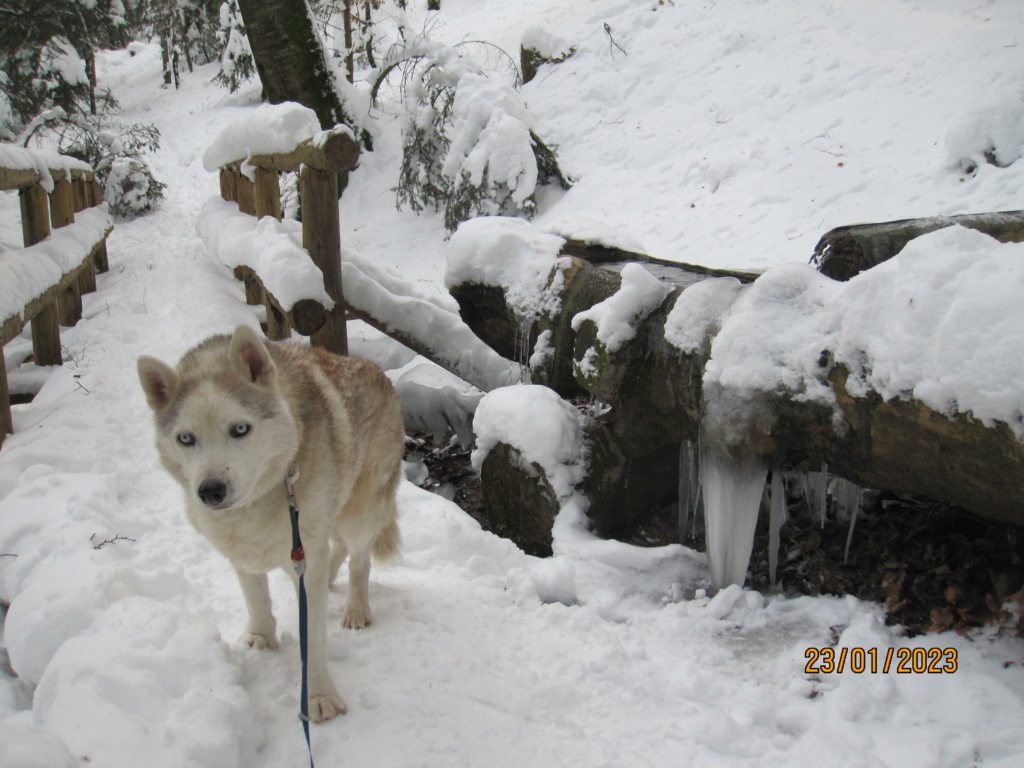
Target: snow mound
(616, 317)
(272, 248)
(267, 129)
(539, 424)
(993, 133)
(512, 254)
(954, 296)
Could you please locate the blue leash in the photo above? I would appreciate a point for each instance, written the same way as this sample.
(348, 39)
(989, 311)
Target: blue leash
(299, 563)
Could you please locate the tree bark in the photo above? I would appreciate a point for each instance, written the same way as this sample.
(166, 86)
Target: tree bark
(290, 58)
(847, 251)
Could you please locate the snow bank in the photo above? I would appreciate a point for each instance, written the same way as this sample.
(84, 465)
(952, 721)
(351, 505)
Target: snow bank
(266, 130)
(434, 399)
(591, 232)
(539, 424)
(272, 248)
(29, 272)
(512, 254)
(993, 133)
(942, 322)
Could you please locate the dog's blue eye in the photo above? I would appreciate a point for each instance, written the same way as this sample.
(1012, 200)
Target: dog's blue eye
(240, 430)
(187, 439)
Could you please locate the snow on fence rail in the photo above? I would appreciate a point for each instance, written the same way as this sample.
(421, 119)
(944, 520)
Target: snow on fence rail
(65, 244)
(296, 271)
(250, 153)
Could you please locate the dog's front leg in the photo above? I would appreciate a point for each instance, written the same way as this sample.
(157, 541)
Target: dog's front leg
(261, 631)
(324, 700)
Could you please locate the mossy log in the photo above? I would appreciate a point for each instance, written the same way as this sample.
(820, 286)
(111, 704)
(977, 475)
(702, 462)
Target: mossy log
(656, 395)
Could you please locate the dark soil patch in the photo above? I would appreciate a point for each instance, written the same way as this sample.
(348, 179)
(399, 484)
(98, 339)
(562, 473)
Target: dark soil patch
(934, 567)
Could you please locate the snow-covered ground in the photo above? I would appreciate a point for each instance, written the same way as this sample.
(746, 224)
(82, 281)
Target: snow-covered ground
(729, 133)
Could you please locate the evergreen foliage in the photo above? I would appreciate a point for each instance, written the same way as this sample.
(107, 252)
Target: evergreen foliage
(470, 149)
(49, 94)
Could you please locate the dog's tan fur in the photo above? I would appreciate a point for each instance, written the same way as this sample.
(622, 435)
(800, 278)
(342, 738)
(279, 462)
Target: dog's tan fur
(338, 417)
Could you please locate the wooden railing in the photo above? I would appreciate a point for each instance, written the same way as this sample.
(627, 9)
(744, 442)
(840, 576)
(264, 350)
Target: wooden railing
(318, 162)
(45, 280)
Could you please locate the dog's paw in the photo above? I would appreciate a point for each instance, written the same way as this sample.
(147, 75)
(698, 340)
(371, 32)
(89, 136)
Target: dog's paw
(259, 642)
(356, 617)
(325, 707)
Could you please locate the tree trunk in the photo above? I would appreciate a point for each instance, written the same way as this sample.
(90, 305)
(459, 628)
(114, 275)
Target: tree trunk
(657, 398)
(846, 251)
(290, 58)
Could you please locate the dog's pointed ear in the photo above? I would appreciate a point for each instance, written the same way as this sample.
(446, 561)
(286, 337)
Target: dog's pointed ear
(249, 353)
(159, 381)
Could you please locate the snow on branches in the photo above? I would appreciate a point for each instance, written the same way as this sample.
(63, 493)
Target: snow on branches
(470, 145)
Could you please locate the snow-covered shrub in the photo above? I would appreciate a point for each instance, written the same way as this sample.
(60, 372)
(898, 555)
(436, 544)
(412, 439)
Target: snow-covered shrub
(130, 188)
(116, 153)
(470, 148)
(539, 46)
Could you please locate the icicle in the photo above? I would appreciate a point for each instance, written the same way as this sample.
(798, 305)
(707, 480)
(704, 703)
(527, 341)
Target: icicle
(848, 495)
(732, 496)
(522, 348)
(776, 519)
(816, 494)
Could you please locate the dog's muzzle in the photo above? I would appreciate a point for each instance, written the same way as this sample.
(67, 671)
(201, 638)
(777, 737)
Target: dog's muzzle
(213, 492)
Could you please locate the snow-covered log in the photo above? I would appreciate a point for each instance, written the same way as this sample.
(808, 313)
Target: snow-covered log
(879, 377)
(846, 251)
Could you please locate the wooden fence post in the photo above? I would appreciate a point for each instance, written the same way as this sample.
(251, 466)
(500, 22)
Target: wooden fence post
(62, 213)
(35, 225)
(100, 256)
(81, 194)
(267, 202)
(321, 236)
(228, 185)
(6, 421)
(246, 195)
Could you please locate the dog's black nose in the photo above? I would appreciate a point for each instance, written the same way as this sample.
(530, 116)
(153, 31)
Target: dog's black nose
(212, 492)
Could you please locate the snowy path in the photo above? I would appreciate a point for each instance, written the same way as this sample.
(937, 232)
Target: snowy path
(479, 654)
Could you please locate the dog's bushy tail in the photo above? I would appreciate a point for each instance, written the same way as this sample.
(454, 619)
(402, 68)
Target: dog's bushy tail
(388, 544)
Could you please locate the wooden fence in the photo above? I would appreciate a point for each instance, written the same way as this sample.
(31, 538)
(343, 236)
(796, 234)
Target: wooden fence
(52, 189)
(318, 164)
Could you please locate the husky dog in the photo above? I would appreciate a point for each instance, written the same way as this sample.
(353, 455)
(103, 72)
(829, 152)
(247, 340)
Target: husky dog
(233, 420)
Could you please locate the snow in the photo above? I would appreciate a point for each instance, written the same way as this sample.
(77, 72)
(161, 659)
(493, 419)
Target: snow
(272, 248)
(29, 272)
(511, 254)
(45, 162)
(265, 130)
(545, 42)
(545, 429)
(952, 294)
(604, 654)
(491, 135)
(640, 294)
